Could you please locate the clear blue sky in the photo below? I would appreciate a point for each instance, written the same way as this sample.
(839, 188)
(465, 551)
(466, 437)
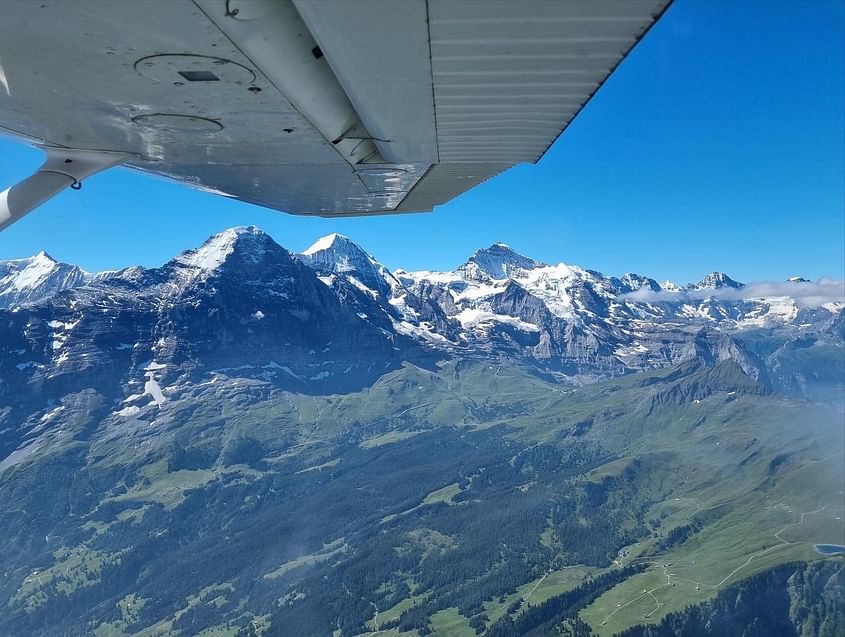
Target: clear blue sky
(718, 144)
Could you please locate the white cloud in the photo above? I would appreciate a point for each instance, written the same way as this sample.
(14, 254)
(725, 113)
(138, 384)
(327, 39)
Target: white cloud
(805, 294)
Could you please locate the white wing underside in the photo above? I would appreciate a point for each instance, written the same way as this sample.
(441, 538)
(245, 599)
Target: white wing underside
(322, 107)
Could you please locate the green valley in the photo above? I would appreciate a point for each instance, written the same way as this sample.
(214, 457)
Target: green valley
(464, 498)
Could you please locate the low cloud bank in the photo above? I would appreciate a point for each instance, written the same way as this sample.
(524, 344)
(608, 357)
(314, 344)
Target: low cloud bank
(805, 294)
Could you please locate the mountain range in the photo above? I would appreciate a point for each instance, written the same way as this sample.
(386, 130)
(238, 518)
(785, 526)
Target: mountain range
(246, 441)
(242, 301)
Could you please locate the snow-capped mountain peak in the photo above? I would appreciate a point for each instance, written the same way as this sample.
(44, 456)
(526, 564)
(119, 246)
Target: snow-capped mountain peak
(670, 286)
(29, 272)
(716, 280)
(35, 278)
(499, 261)
(336, 254)
(333, 241)
(633, 282)
(248, 242)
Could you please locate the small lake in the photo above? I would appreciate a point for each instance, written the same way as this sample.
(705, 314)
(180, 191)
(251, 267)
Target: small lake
(829, 549)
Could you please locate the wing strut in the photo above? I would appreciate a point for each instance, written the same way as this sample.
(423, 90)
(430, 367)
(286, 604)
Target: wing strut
(63, 168)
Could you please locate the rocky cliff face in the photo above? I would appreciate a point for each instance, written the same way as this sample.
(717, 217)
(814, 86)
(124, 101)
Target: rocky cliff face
(240, 305)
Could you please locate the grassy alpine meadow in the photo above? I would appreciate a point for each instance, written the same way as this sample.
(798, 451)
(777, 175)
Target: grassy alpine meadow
(462, 499)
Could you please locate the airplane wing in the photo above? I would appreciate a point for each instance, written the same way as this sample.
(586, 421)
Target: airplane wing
(316, 107)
